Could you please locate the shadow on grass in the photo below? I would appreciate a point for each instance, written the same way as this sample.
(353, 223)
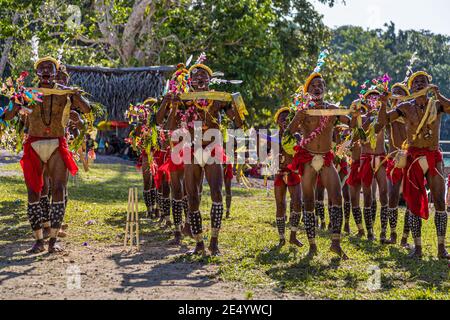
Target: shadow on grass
(111, 191)
(432, 273)
(161, 274)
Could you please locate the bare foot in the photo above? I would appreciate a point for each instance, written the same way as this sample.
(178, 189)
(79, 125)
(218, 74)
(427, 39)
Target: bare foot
(312, 250)
(227, 215)
(46, 232)
(404, 243)
(177, 239)
(383, 239)
(37, 247)
(214, 247)
(323, 226)
(294, 241)
(416, 253)
(393, 238)
(64, 226)
(442, 253)
(53, 247)
(166, 225)
(198, 250)
(371, 237)
(336, 248)
(186, 231)
(281, 243)
(347, 228)
(361, 234)
(62, 234)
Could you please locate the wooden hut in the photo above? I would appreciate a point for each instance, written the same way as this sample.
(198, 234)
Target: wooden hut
(117, 88)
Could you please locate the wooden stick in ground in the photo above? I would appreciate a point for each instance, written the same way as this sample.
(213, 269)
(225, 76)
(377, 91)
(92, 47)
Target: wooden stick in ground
(127, 224)
(132, 219)
(138, 244)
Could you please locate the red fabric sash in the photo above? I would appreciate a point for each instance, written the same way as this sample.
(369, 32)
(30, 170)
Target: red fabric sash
(395, 175)
(303, 156)
(228, 172)
(32, 164)
(414, 190)
(292, 180)
(366, 172)
(354, 179)
(344, 166)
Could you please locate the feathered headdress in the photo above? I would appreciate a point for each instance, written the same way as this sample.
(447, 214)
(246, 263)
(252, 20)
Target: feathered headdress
(417, 74)
(402, 86)
(316, 73)
(199, 64)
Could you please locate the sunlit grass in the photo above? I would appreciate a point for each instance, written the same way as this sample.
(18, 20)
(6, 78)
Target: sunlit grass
(248, 241)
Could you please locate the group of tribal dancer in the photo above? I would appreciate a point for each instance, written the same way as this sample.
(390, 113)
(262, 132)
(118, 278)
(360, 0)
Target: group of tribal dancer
(408, 114)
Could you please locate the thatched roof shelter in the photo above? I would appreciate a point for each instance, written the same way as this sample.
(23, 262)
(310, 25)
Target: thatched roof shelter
(117, 88)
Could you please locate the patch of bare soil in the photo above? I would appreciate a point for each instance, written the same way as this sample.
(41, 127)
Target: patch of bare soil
(105, 272)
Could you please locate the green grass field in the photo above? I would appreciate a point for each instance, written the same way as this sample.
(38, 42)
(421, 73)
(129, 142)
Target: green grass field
(248, 242)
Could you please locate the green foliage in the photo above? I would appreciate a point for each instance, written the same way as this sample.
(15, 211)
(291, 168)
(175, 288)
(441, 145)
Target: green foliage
(248, 241)
(271, 45)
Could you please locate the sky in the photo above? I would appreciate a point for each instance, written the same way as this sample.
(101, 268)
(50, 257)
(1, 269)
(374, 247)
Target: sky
(433, 15)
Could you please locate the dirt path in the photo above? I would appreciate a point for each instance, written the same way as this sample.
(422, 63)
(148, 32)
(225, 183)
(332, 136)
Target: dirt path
(107, 273)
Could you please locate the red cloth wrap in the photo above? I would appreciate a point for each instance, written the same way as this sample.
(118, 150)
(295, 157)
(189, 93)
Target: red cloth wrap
(160, 157)
(228, 172)
(343, 166)
(354, 179)
(395, 175)
(292, 180)
(414, 190)
(227, 168)
(303, 156)
(152, 167)
(32, 164)
(366, 171)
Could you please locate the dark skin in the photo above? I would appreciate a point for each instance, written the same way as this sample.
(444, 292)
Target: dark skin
(306, 124)
(55, 166)
(380, 175)
(355, 191)
(413, 111)
(167, 118)
(396, 135)
(320, 189)
(280, 191)
(193, 173)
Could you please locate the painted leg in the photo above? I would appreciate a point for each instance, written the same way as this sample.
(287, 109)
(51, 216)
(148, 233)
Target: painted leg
(406, 229)
(347, 209)
(415, 223)
(357, 215)
(177, 212)
(336, 217)
(310, 226)
(57, 217)
(440, 220)
(35, 217)
(294, 222)
(384, 217)
(393, 218)
(45, 207)
(281, 227)
(197, 231)
(369, 224)
(187, 226)
(216, 224)
(320, 214)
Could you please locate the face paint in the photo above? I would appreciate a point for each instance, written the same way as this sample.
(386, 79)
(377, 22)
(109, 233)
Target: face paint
(200, 80)
(46, 72)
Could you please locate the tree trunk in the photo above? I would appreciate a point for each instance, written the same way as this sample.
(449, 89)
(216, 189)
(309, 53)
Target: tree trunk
(7, 48)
